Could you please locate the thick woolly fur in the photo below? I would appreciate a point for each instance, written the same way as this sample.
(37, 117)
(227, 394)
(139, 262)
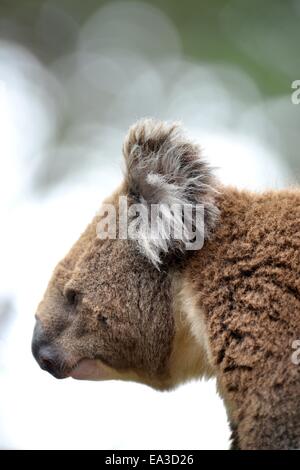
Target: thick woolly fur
(149, 311)
(163, 167)
(247, 282)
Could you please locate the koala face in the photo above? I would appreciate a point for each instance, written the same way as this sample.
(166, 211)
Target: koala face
(105, 303)
(108, 311)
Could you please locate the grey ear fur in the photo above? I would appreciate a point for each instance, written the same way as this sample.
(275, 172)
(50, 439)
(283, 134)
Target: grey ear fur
(164, 167)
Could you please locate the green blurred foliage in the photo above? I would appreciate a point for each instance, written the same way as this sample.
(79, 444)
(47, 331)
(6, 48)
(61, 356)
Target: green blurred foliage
(258, 38)
(243, 33)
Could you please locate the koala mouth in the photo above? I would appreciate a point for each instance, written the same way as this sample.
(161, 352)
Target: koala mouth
(91, 369)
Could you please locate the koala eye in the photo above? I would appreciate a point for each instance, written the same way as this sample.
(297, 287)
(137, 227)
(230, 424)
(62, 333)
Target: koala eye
(72, 297)
(102, 318)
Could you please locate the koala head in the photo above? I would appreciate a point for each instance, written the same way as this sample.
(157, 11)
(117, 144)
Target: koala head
(110, 309)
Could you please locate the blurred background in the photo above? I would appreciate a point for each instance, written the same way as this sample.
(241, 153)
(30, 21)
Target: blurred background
(73, 76)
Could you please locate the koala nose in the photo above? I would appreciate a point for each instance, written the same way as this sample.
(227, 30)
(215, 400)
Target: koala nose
(45, 353)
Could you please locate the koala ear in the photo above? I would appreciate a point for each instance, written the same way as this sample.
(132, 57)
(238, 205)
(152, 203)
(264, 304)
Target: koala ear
(166, 170)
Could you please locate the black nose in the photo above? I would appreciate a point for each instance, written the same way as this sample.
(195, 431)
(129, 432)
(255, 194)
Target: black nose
(45, 353)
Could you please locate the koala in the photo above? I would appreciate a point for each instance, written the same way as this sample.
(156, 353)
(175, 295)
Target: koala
(151, 309)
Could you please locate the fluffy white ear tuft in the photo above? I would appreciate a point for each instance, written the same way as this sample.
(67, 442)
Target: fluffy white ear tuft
(166, 170)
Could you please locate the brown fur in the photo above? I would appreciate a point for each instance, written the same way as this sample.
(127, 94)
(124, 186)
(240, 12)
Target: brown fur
(247, 282)
(230, 310)
(113, 299)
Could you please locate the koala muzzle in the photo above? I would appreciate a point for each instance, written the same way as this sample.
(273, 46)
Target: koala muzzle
(47, 355)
